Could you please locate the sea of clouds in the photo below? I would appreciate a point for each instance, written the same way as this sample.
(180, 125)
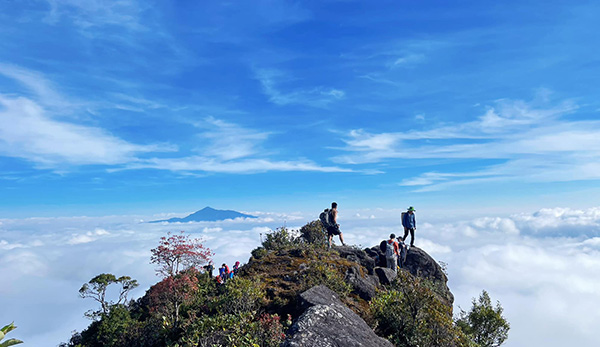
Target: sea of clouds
(541, 266)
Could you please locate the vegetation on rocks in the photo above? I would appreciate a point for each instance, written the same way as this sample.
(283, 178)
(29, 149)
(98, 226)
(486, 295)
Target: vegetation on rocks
(256, 308)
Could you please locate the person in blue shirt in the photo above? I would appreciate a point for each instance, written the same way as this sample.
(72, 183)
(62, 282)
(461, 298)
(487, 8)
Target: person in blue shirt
(409, 223)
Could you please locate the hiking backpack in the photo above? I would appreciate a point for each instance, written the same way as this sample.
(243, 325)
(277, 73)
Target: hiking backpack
(325, 218)
(383, 246)
(389, 250)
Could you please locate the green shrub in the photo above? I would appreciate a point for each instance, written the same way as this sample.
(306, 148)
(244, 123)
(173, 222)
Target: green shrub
(259, 252)
(484, 324)
(313, 233)
(319, 273)
(409, 314)
(229, 330)
(241, 295)
(279, 239)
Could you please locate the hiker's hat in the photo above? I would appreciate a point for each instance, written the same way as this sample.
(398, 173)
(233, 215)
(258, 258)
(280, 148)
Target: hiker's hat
(411, 209)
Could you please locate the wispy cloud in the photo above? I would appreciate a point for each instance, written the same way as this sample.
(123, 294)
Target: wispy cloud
(229, 141)
(40, 88)
(245, 166)
(272, 80)
(27, 132)
(534, 143)
(93, 13)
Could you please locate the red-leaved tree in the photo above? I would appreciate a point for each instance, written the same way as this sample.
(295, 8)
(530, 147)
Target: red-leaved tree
(167, 296)
(179, 252)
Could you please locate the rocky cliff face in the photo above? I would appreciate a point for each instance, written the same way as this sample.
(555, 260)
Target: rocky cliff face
(324, 318)
(327, 322)
(422, 265)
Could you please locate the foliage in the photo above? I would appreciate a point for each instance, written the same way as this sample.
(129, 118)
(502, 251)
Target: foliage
(5, 330)
(319, 272)
(279, 239)
(241, 295)
(259, 252)
(167, 296)
(96, 289)
(313, 233)
(179, 252)
(484, 324)
(229, 330)
(409, 314)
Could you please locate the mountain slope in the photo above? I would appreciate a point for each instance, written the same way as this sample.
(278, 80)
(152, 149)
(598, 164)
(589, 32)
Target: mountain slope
(207, 214)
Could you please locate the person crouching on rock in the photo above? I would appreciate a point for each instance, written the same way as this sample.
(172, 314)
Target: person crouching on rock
(392, 253)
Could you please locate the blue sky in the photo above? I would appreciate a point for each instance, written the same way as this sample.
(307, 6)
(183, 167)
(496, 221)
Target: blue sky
(158, 107)
(483, 115)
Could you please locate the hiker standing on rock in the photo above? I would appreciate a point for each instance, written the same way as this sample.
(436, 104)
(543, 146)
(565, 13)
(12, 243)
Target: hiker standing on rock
(334, 227)
(409, 223)
(392, 253)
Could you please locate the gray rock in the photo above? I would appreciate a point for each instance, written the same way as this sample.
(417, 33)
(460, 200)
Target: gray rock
(318, 295)
(329, 323)
(386, 276)
(421, 264)
(358, 256)
(364, 287)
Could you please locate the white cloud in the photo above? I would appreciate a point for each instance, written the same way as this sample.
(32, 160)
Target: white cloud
(272, 80)
(534, 143)
(27, 132)
(229, 141)
(537, 275)
(88, 14)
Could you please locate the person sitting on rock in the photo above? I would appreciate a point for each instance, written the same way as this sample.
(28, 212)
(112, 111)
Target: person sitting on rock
(391, 253)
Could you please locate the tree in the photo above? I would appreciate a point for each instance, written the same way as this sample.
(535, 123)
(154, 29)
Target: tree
(5, 330)
(484, 324)
(409, 314)
(96, 289)
(176, 253)
(167, 296)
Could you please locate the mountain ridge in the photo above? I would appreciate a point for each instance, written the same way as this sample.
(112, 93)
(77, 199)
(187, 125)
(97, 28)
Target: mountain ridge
(207, 214)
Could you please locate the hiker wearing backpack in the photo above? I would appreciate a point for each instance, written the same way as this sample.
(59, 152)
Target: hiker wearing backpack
(403, 250)
(329, 220)
(236, 268)
(224, 272)
(391, 253)
(409, 223)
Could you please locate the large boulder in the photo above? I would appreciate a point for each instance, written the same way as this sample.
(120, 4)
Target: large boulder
(421, 264)
(386, 275)
(327, 322)
(365, 287)
(358, 256)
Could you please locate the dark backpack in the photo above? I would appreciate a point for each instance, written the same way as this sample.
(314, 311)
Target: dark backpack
(325, 218)
(383, 246)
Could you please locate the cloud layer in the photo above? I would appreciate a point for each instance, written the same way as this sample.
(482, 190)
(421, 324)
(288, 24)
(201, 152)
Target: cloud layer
(537, 273)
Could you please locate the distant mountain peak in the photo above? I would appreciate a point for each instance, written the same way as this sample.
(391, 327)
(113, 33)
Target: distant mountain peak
(207, 214)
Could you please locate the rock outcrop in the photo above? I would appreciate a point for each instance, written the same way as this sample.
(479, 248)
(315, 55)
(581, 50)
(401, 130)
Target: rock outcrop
(419, 264)
(327, 322)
